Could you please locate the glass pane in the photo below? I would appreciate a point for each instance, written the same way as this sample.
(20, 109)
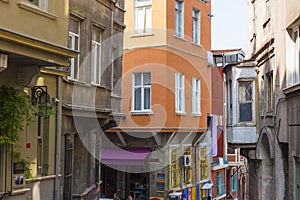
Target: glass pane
(70, 46)
(147, 98)
(245, 112)
(148, 19)
(140, 20)
(137, 99)
(76, 43)
(96, 35)
(137, 79)
(73, 26)
(146, 79)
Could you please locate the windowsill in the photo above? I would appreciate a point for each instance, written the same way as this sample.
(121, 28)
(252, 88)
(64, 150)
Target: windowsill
(42, 178)
(218, 167)
(115, 96)
(73, 81)
(220, 197)
(97, 85)
(180, 38)
(180, 113)
(196, 114)
(142, 35)
(141, 112)
(20, 191)
(291, 89)
(196, 44)
(37, 10)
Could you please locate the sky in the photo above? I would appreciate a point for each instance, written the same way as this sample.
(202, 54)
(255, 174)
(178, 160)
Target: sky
(229, 24)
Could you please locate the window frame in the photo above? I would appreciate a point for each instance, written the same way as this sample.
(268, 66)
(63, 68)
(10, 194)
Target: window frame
(95, 63)
(144, 7)
(252, 101)
(75, 62)
(41, 4)
(179, 11)
(143, 88)
(196, 96)
(293, 54)
(220, 184)
(179, 92)
(234, 180)
(196, 26)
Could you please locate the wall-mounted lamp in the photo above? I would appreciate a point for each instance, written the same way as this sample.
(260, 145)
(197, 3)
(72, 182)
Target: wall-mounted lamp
(3, 61)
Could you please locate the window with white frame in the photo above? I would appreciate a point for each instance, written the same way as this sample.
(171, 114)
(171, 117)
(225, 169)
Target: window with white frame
(179, 18)
(220, 184)
(293, 56)
(42, 4)
(196, 103)
(245, 100)
(143, 16)
(179, 93)
(234, 180)
(141, 99)
(74, 29)
(96, 56)
(196, 26)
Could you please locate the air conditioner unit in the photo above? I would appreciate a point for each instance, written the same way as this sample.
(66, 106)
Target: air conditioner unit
(186, 160)
(3, 61)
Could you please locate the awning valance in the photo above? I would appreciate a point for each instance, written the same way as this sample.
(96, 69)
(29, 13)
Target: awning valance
(207, 186)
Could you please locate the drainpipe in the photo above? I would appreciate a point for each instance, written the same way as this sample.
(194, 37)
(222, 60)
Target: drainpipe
(57, 137)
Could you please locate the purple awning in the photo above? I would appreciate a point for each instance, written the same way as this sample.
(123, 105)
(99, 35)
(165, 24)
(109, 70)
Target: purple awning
(116, 156)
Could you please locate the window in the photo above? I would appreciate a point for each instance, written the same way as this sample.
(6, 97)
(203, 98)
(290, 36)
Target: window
(234, 180)
(42, 4)
(175, 170)
(293, 56)
(245, 101)
(179, 93)
(203, 163)
(196, 96)
(141, 91)
(179, 18)
(113, 57)
(187, 167)
(220, 184)
(229, 102)
(96, 56)
(74, 29)
(196, 26)
(270, 91)
(143, 16)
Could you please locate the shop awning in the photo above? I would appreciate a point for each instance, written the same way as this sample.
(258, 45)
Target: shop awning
(117, 156)
(207, 186)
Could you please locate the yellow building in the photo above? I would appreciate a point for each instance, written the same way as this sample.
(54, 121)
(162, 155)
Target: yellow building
(33, 51)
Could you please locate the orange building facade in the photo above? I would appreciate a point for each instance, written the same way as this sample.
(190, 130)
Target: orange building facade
(166, 98)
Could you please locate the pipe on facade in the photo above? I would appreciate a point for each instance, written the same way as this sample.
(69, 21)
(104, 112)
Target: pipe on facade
(57, 138)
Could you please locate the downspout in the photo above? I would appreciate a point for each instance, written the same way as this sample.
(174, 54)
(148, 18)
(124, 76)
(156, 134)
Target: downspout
(57, 137)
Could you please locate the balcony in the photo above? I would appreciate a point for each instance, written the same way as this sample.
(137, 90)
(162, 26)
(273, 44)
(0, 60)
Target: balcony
(241, 104)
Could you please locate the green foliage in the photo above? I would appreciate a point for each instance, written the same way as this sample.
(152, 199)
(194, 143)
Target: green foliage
(28, 174)
(15, 112)
(76, 8)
